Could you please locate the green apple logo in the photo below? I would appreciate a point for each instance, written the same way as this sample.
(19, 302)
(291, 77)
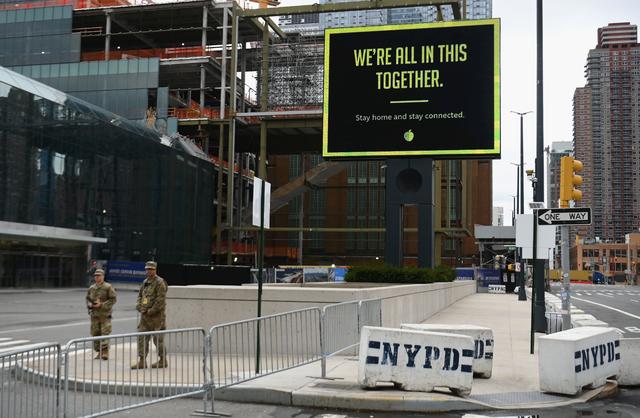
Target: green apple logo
(408, 136)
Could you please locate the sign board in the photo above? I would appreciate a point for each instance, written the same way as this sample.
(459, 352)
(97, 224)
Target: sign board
(564, 216)
(125, 271)
(257, 191)
(546, 238)
(413, 90)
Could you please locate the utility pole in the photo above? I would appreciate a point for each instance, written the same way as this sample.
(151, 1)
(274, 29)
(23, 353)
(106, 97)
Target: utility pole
(540, 322)
(522, 295)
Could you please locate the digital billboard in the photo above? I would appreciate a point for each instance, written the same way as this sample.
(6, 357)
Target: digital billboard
(413, 90)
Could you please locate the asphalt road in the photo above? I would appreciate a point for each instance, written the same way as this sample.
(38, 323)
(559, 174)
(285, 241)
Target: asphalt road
(58, 315)
(618, 305)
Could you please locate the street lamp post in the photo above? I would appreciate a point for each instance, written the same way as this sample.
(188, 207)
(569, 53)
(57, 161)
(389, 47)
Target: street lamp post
(522, 295)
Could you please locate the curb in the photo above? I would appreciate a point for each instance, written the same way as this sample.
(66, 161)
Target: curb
(390, 400)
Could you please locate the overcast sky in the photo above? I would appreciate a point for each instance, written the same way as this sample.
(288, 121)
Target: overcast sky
(570, 30)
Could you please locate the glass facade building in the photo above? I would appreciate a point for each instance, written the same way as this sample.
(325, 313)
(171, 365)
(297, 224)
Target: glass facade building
(41, 44)
(78, 170)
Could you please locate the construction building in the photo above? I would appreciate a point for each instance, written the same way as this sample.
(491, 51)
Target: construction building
(249, 96)
(606, 131)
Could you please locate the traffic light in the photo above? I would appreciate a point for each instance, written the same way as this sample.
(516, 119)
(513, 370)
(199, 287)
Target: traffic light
(568, 179)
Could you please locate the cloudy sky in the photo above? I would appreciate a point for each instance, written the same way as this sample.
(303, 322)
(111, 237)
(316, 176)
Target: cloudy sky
(570, 30)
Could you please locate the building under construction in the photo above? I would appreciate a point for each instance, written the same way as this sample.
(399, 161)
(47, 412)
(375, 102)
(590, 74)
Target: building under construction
(249, 95)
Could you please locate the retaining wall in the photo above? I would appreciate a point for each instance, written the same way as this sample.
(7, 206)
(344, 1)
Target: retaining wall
(205, 306)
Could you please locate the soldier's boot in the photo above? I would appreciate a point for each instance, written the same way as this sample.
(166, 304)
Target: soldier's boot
(161, 363)
(141, 364)
(105, 353)
(97, 357)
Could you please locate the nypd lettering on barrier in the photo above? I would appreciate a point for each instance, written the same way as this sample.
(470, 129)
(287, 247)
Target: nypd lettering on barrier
(480, 353)
(572, 359)
(446, 358)
(482, 340)
(597, 355)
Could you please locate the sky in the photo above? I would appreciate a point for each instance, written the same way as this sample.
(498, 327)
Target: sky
(570, 31)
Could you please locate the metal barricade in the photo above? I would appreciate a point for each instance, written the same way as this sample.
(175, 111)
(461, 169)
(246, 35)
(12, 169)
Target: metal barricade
(554, 322)
(30, 382)
(252, 348)
(94, 386)
(342, 323)
(370, 313)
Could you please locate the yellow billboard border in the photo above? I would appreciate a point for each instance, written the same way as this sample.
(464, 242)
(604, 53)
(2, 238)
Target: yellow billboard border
(469, 153)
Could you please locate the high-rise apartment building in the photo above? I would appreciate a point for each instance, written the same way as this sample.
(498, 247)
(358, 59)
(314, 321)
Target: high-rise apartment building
(470, 9)
(607, 132)
(498, 216)
(374, 17)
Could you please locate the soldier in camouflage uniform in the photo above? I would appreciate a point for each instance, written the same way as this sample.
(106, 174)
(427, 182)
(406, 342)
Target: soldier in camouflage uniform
(151, 304)
(100, 300)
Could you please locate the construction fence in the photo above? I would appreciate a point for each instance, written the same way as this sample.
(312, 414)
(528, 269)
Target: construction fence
(95, 376)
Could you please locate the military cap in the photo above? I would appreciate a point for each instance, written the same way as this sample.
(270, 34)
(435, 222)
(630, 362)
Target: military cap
(98, 271)
(151, 265)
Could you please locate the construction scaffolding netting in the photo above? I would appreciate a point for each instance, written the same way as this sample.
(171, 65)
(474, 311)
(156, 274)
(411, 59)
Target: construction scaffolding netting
(295, 72)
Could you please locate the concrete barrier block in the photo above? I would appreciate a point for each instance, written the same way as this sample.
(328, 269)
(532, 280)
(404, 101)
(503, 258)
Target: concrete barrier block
(415, 360)
(630, 355)
(497, 288)
(588, 322)
(482, 338)
(572, 359)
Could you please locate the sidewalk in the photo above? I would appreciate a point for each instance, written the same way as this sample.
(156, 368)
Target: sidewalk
(513, 385)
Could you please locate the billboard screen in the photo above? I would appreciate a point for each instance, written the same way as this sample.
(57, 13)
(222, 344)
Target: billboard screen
(410, 90)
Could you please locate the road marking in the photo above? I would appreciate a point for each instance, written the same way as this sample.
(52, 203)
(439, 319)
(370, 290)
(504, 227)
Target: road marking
(71, 324)
(609, 307)
(13, 342)
(604, 294)
(633, 300)
(20, 347)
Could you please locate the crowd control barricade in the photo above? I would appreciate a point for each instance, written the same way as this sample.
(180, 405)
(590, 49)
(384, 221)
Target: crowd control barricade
(256, 347)
(30, 381)
(342, 324)
(370, 313)
(554, 322)
(94, 386)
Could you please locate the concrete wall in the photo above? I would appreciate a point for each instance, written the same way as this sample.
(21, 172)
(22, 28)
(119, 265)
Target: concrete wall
(205, 306)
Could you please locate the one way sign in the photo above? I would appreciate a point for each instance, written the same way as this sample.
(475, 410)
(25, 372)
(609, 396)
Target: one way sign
(564, 216)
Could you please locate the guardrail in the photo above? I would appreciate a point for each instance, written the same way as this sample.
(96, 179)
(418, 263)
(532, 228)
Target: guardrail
(47, 381)
(244, 350)
(95, 386)
(30, 382)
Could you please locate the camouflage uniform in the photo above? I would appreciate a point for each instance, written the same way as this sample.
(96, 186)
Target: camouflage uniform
(151, 304)
(101, 317)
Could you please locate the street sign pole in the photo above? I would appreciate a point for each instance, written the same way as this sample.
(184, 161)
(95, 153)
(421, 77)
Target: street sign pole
(533, 285)
(566, 281)
(260, 269)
